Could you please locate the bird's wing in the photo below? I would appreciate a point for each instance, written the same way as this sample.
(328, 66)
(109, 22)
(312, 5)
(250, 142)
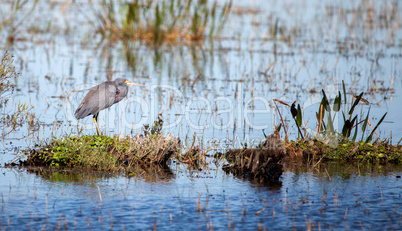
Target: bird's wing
(97, 99)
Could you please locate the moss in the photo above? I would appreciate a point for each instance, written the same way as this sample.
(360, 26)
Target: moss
(265, 163)
(380, 151)
(103, 152)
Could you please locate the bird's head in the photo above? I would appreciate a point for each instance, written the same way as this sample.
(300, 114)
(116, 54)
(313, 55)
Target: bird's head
(121, 81)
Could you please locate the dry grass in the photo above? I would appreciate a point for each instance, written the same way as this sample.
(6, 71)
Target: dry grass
(104, 153)
(22, 115)
(262, 162)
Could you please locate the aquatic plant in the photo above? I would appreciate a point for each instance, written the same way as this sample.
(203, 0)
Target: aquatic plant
(325, 119)
(350, 120)
(160, 21)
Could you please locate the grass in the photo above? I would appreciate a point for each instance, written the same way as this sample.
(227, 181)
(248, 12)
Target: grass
(7, 72)
(264, 163)
(103, 152)
(314, 150)
(106, 153)
(22, 116)
(183, 20)
(161, 21)
(353, 123)
(330, 144)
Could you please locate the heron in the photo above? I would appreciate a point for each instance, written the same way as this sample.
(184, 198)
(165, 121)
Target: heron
(101, 97)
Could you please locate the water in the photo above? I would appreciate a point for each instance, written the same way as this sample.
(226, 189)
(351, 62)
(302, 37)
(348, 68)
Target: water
(222, 92)
(330, 199)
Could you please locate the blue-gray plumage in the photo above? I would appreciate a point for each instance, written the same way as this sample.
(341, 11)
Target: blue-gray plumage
(101, 97)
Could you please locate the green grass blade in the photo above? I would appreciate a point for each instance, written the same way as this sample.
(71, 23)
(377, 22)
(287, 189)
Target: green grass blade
(330, 123)
(346, 128)
(375, 128)
(293, 110)
(365, 123)
(344, 91)
(299, 116)
(337, 102)
(354, 120)
(355, 103)
(325, 102)
(355, 135)
(278, 128)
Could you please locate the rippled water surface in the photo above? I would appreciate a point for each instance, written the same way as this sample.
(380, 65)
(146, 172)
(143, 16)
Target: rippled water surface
(221, 91)
(182, 199)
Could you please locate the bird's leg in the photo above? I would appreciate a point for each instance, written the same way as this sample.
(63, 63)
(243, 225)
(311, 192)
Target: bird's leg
(96, 124)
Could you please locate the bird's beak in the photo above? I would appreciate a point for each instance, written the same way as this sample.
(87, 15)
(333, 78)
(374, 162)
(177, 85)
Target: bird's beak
(135, 84)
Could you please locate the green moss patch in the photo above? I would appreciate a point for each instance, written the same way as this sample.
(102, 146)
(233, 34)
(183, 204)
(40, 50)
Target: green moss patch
(103, 152)
(265, 162)
(379, 151)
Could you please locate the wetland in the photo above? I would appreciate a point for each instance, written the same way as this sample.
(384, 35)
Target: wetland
(254, 115)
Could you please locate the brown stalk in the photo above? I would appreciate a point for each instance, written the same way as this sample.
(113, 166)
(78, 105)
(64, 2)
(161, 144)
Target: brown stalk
(280, 115)
(373, 129)
(319, 121)
(281, 102)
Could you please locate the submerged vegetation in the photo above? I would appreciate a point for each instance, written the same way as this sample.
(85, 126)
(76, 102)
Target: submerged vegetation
(161, 21)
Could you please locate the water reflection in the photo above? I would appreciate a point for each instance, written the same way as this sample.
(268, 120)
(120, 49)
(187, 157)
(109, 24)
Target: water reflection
(339, 168)
(316, 197)
(150, 174)
(212, 89)
(274, 186)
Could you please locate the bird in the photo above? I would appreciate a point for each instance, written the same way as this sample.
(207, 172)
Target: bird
(101, 97)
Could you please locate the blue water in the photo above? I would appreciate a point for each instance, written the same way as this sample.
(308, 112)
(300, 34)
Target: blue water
(303, 199)
(222, 93)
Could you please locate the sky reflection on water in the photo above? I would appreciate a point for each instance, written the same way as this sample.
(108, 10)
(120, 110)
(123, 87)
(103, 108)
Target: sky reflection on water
(221, 90)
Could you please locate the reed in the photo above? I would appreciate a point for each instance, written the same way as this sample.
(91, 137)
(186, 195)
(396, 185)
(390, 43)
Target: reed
(156, 22)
